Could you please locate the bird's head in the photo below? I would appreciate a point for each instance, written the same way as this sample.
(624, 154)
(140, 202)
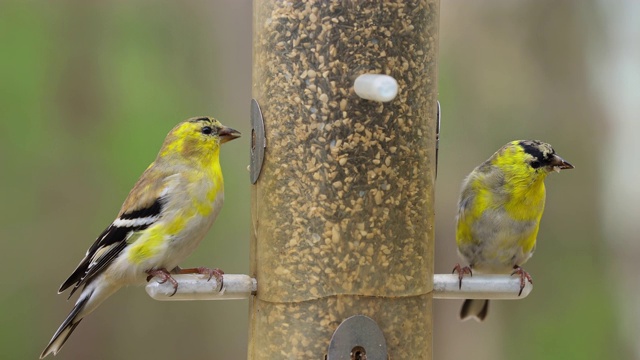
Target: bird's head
(529, 158)
(197, 138)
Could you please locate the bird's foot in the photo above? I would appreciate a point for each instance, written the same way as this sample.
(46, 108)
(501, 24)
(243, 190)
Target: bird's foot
(523, 275)
(462, 271)
(164, 276)
(205, 271)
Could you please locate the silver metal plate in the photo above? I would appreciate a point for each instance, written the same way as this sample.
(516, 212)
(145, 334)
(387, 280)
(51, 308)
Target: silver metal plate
(258, 141)
(358, 333)
(438, 117)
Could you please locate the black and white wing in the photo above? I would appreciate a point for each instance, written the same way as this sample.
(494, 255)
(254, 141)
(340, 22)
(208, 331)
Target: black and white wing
(114, 239)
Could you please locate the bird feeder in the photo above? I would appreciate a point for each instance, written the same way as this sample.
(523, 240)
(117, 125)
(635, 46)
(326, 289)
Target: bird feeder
(343, 165)
(342, 208)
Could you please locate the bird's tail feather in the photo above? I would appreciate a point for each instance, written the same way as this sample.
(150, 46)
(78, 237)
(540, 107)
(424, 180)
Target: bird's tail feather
(92, 296)
(474, 309)
(68, 325)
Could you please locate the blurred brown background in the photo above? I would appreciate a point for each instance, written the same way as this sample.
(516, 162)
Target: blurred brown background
(89, 89)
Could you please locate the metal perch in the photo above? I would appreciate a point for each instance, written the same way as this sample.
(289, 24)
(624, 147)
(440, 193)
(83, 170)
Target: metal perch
(445, 286)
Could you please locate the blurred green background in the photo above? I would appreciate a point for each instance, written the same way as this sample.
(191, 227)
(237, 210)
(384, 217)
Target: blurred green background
(89, 89)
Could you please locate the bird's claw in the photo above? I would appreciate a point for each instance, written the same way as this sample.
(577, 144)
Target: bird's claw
(523, 275)
(462, 271)
(217, 273)
(163, 275)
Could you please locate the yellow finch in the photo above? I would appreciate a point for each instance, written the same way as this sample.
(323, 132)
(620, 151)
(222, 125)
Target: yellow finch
(499, 213)
(164, 218)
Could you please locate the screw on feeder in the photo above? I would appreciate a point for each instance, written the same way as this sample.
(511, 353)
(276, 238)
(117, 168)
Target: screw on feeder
(358, 353)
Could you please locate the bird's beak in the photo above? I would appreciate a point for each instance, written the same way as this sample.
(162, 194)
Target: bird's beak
(228, 134)
(558, 163)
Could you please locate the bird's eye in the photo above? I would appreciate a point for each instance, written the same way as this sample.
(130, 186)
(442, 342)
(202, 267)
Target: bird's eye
(207, 130)
(535, 164)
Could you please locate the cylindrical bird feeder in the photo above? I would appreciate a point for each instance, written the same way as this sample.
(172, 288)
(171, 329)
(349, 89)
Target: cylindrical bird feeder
(343, 180)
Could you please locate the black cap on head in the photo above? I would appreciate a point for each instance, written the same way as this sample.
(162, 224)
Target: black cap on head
(541, 152)
(543, 155)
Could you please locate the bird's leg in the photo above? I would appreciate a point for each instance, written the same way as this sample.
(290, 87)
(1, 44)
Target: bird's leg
(205, 271)
(164, 276)
(462, 271)
(523, 275)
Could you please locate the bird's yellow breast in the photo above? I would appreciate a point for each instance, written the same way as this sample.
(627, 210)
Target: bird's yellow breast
(526, 202)
(504, 202)
(522, 185)
(189, 207)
